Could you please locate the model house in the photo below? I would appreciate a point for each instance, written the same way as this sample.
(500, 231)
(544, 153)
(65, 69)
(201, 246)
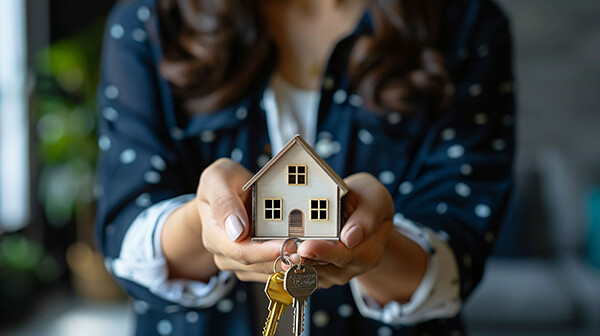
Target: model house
(296, 194)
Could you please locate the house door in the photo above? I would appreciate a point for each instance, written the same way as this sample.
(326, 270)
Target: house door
(296, 223)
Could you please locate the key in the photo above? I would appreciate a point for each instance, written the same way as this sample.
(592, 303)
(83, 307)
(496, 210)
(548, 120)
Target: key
(300, 281)
(279, 299)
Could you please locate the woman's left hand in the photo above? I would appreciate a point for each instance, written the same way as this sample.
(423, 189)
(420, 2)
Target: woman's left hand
(369, 210)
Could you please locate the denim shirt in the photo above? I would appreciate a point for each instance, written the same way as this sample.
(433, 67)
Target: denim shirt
(450, 171)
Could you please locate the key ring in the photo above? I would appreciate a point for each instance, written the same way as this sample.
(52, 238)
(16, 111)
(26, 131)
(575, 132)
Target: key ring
(283, 257)
(286, 261)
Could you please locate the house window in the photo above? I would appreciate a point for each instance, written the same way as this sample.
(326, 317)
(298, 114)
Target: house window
(319, 209)
(297, 175)
(273, 208)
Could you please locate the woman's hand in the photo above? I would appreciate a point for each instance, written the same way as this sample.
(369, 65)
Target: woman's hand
(369, 210)
(215, 232)
(388, 265)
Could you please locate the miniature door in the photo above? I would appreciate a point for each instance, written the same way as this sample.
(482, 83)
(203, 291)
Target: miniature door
(296, 194)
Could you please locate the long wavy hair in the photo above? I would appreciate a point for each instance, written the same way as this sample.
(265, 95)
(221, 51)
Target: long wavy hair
(214, 51)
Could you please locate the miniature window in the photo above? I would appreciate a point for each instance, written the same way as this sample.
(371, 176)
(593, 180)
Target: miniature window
(319, 209)
(273, 208)
(297, 175)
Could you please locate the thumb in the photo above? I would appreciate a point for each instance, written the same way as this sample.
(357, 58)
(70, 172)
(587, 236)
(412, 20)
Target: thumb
(221, 187)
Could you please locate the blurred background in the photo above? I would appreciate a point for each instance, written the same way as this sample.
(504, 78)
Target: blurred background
(544, 277)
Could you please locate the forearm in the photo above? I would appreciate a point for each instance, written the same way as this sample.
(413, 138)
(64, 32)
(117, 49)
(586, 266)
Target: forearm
(182, 246)
(399, 272)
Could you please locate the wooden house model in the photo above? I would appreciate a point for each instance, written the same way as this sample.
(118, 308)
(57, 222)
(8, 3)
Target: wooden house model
(296, 194)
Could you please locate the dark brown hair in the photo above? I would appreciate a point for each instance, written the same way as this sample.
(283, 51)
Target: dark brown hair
(214, 51)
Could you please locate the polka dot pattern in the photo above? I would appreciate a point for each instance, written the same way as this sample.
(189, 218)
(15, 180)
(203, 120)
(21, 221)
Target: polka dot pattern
(462, 189)
(143, 13)
(441, 208)
(475, 90)
(262, 160)
(128, 156)
(158, 163)
(328, 82)
(191, 317)
(480, 119)
(116, 31)
(339, 97)
(177, 133)
(110, 113)
(405, 188)
(483, 50)
(241, 113)
(152, 177)
(320, 318)
(138, 35)
(143, 200)
(365, 136)
(393, 118)
(384, 331)
(345, 310)
(499, 145)
(355, 100)
(207, 136)
(482, 211)
(237, 155)
(387, 177)
(111, 92)
(164, 327)
(104, 143)
(225, 306)
(466, 169)
(455, 151)
(448, 134)
(140, 307)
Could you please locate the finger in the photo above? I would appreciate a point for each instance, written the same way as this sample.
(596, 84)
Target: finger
(227, 264)
(252, 277)
(221, 186)
(373, 204)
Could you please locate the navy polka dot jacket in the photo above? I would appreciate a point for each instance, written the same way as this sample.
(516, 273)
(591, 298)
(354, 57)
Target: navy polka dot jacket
(450, 172)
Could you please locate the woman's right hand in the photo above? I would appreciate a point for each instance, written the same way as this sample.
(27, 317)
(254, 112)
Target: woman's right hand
(212, 231)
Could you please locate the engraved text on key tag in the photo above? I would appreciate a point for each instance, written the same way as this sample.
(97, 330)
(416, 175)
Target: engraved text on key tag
(300, 281)
(279, 300)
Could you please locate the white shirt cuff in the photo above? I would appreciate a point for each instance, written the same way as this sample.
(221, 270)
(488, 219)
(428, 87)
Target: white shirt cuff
(438, 294)
(142, 261)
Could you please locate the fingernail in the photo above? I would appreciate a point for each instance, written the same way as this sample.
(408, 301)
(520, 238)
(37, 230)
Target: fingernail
(309, 256)
(233, 227)
(352, 236)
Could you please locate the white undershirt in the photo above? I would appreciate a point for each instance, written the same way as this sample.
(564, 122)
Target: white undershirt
(289, 111)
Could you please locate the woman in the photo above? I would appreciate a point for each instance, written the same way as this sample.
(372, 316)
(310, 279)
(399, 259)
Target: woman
(411, 101)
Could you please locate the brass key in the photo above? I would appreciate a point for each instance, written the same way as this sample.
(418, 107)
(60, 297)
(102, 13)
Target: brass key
(279, 299)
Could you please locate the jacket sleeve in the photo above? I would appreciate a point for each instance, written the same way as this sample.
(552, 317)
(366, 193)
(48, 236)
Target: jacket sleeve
(139, 164)
(460, 180)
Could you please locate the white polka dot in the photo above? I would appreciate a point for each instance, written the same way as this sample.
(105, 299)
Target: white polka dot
(475, 90)
(448, 134)
(172, 309)
(191, 317)
(483, 50)
(384, 331)
(506, 87)
(164, 327)
(140, 307)
(328, 82)
(443, 235)
(152, 177)
(128, 156)
(499, 144)
(110, 113)
(489, 237)
(455, 151)
(365, 136)
(104, 143)
(237, 155)
(207, 136)
(143, 200)
(325, 135)
(339, 96)
(158, 163)
(327, 148)
(463, 53)
(482, 210)
(225, 306)
(405, 187)
(345, 310)
(138, 35)
(398, 219)
(394, 118)
(355, 100)
(241, 296)
(177, 133)
(467, 260)
(241, 113)
(116, 31)
(387, 177)
(262, 160)
(441, 208)
(320, 318)
(508, 120)
(143, 13)
(466, 169)
(111, 92)
(480, 118)
(456, 333)
(462, 189)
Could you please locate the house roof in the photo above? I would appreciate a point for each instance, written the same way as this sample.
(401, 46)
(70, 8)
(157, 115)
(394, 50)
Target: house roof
(297, 139)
